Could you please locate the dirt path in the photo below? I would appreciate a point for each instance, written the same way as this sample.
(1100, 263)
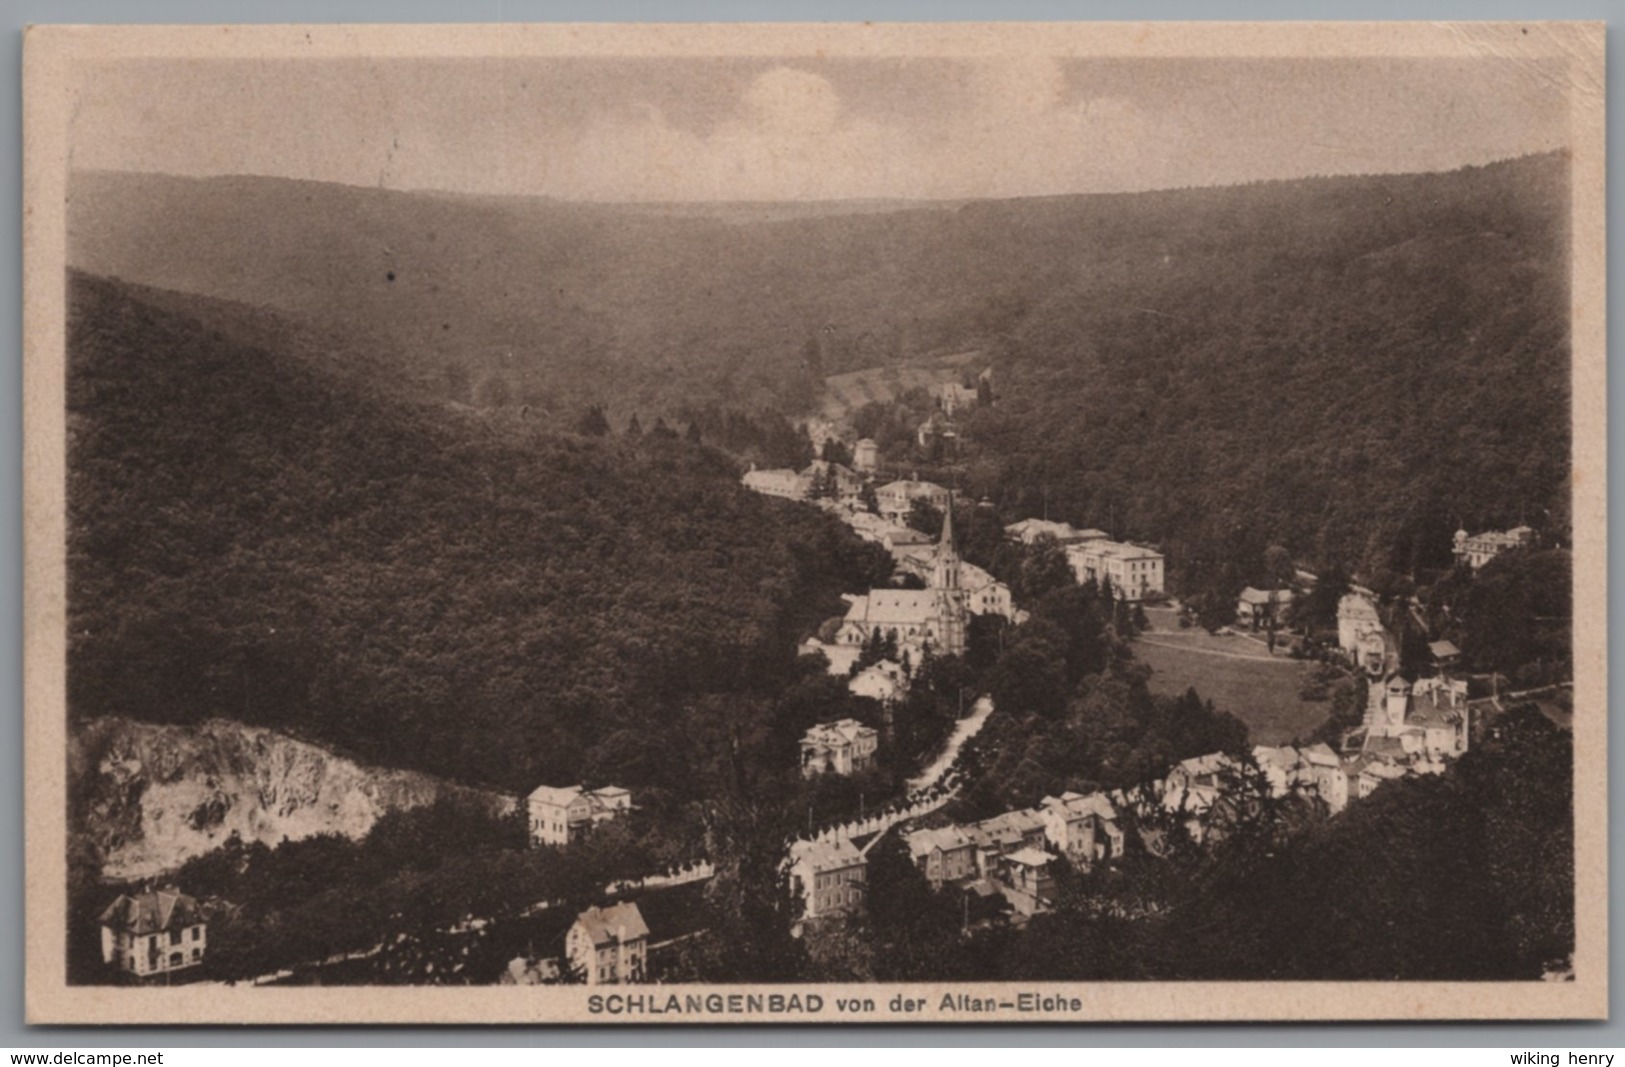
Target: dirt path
(964, 730)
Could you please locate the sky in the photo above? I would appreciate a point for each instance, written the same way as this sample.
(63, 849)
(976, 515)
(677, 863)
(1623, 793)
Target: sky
(697, 129)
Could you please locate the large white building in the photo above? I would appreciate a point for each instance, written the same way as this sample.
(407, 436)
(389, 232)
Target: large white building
(831, 877)
(842, 747)
(158, 932)
(1132, 570)
(609, 946)
(1475, 550)
(559, 815)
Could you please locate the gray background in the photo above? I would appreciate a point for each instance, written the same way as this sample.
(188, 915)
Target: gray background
(19, 13)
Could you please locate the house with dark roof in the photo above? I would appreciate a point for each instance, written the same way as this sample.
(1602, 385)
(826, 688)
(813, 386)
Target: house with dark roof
(609, 946)
(157, 932)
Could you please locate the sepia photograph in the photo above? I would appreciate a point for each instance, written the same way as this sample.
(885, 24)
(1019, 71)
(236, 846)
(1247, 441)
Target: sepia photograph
(812, 524)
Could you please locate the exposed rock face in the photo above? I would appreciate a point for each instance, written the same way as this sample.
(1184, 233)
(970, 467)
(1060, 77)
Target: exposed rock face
(149, 797)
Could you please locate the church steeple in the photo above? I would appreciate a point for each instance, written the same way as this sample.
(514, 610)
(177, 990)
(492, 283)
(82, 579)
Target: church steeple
(947, 562)
(952, 610)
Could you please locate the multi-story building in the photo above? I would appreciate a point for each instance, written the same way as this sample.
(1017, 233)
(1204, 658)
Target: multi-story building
(1133, 570)
(843, 747)
(866, 455)
(1475, 550)
(830, 876)
(559, 815)
(1082, 828)
(895, 500)
(1429, 718)
(609, 946)
(943, 855)
(157, 932)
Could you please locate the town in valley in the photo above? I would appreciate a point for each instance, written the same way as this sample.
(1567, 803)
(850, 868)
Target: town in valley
(1171, 580)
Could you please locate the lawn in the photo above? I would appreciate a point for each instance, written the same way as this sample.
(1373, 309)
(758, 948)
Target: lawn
(1240, 677)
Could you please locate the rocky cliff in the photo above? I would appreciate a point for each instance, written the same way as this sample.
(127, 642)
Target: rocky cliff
(149, 797)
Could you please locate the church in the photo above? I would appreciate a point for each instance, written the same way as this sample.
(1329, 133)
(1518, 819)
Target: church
(934, 618)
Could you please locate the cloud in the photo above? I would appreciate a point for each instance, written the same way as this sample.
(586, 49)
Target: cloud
(813, 129)
(787, 138)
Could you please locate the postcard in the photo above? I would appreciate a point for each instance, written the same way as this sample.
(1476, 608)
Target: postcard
(957, 523)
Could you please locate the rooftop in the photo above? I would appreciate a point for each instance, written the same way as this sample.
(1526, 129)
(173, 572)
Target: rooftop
(152, 912)
(618, 922)
(823, 856)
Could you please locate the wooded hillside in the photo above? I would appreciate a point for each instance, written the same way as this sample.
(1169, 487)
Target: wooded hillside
(1349, 367)
(254, 537)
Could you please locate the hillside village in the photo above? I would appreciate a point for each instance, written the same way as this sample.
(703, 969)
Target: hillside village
(937, 680)
(1003, 868)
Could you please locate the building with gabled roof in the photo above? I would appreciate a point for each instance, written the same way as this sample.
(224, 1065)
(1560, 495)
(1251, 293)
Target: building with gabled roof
(945, 854)
(609, 946)
(1283, 768)
(157, 932)
(883, 681)
(1255, 607)
(831, 877)
(1327, 775)
(1083, 829)
(559, 815)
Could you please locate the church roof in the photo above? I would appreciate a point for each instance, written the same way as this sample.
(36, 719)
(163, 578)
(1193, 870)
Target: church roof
(895, 607)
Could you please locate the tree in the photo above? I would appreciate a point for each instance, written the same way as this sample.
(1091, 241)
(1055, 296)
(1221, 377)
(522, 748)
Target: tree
(926, 517)
(592, 422)
(835, 451)
(634, 428)
(1279, 570)
(1044, 568)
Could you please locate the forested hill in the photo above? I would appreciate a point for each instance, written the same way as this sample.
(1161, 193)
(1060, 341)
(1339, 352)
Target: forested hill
(254, 537)
(1349, 367)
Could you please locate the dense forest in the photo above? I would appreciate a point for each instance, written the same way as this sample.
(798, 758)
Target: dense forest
(1351, 368)
(254, 537)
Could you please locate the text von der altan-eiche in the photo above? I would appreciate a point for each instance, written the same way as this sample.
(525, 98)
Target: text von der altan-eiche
(693, 1004)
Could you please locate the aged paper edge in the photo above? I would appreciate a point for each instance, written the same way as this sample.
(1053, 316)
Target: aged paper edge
(51, 55)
